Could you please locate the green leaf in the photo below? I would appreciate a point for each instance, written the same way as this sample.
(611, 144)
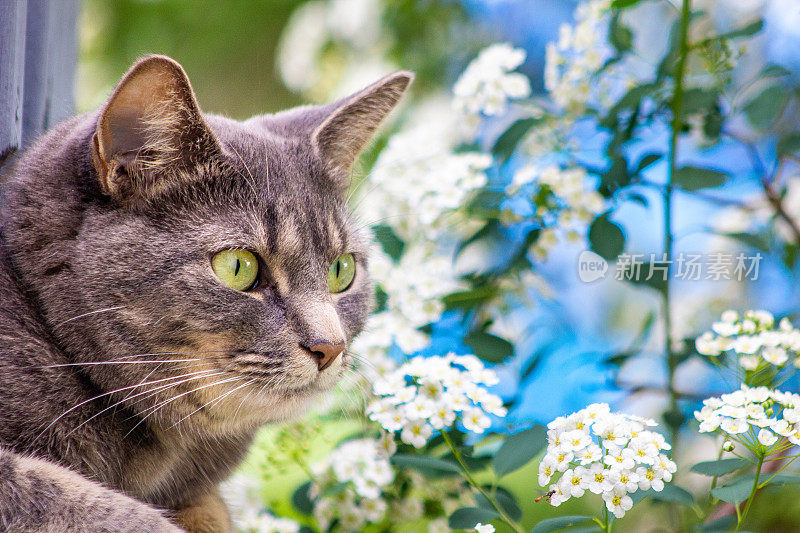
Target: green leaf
(646, 161)
(699, 100)
(781, 479)
(766, 108)
(504, 499)
(560, 522)
(389, 241)
(620, 36)
(471, 298)
(606, 238)
(616, 177)
(674, 494)
(489, 347)
(519, 449)
(736, 492)
(754, 241)
(719, 468)
(507, 143)
(467, 517)
(745, 31)
(788, 145)
(640, 272)
(622, 4)
(302, 499)
(691, 178)
(721, 524)
(425, 464)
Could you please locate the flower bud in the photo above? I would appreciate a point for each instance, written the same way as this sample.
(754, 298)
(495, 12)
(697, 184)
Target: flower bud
(728, 446)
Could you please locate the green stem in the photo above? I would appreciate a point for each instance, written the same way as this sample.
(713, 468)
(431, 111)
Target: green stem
(606, 520)
(471, 480)
(752, 494)
(777, 472)
(676, 126)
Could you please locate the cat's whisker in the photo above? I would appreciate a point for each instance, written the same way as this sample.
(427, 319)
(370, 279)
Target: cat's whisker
(92, 363)
(214, 401)
(65, 413)
(107, 309)
(150, 393)
(160, 406)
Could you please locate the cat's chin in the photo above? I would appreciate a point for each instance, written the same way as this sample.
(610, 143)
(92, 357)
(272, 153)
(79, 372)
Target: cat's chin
(292, 400)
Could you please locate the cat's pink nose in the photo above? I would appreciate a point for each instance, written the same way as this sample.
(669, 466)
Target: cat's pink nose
(326, 354)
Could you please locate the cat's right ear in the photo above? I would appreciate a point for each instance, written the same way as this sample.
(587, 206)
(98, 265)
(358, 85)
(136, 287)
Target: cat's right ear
(150, 134)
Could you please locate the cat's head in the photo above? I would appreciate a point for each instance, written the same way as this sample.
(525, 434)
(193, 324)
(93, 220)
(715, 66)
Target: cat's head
(219, 251)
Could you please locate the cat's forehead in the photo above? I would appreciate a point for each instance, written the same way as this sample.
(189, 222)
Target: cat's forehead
(280, 187)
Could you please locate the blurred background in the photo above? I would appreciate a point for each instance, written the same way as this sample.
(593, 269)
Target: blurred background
(248, 57)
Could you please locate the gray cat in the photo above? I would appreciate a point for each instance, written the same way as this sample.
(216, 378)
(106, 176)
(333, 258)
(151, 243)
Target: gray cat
(170, 281)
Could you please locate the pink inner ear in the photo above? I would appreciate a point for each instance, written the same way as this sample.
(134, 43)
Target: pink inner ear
(126, 132)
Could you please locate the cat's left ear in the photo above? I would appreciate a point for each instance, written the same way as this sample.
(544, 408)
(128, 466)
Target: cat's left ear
(150, 135)
(349, 127)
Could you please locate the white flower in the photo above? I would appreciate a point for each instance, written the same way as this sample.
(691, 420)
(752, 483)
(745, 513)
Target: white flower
(432, 393)
(617, 500)
(484, 528)
(746, 344)
(726, 329)
(488, 83)
(767, 438)
(475, 421)
(752, 339)
(611, 454)
(755, 417)
(590, 454)
(574, 482)
(598, 479)
(416, 433)
(775, 355)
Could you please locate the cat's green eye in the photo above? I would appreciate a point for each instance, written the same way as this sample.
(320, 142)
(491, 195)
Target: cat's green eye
(341, 273)
(238, 269)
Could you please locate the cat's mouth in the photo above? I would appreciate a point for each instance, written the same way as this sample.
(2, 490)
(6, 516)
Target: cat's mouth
(301, 373)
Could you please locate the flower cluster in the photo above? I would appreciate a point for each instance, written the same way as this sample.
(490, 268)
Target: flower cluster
(488, 83)
(417, 181)
(362, 467)
(757, 417)
(752, 339)
(242, 493)
(564, 204)
(347, 32)
(610, 454)
(572, 62)
(432, 393)
(255, 522)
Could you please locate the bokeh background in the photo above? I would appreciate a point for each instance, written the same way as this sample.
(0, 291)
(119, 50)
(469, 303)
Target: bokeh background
(251, 57)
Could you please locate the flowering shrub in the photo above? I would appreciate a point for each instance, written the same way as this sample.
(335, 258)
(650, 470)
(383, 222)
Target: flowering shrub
(752, 339)
(473, 191)
(610, 454)
(431, 393)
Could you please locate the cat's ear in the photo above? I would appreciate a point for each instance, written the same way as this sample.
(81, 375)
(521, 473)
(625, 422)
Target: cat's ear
(150, 133)
(352, 122)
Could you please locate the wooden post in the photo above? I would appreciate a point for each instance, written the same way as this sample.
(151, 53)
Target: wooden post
(12, 72)
(38, 54)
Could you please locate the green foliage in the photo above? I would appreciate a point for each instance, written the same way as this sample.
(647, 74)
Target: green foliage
(489, 347)
(719, 467)
(467, 517)
(559, 523)
(606, 237)
(518, 449)
(690, 178)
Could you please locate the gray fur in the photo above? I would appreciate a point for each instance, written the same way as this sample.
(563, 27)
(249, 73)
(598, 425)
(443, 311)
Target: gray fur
(92, 274)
